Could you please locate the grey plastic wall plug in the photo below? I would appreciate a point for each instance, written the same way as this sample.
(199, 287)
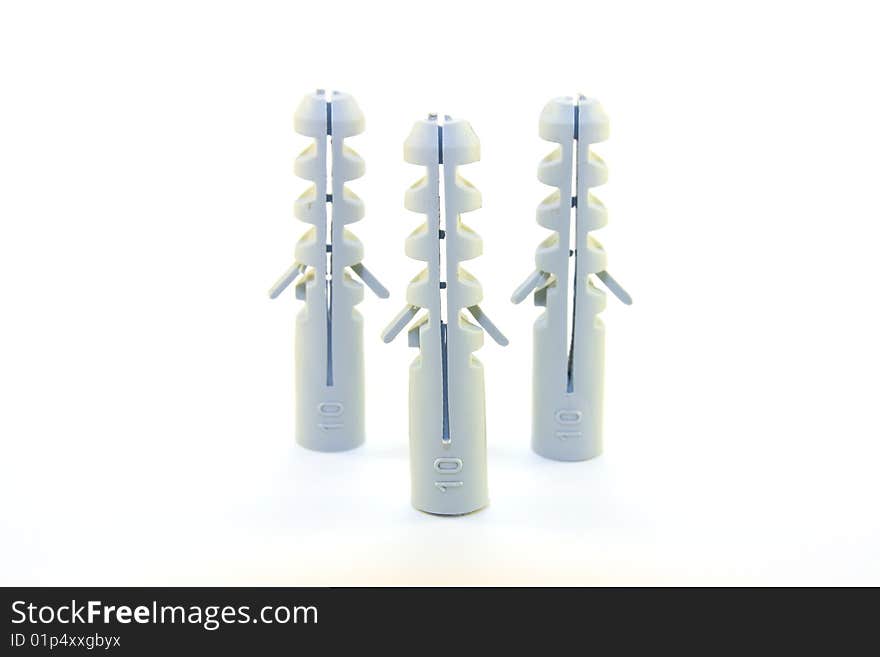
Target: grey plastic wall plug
(329, 351)
(447, 404)
(569, 337)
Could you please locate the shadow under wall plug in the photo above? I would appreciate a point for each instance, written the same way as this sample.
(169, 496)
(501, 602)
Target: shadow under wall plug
(569, 337)
(329, 330)
(447, 404)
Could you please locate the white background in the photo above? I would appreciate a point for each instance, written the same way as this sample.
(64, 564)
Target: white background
(146, 194)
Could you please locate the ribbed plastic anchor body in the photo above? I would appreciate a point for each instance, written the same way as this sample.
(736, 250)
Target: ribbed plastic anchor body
(569, 336)
(447, 416)
(329, 358)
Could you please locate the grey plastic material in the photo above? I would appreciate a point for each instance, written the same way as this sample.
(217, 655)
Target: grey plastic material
(569, 338)
(329, 330)
(447, 415)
